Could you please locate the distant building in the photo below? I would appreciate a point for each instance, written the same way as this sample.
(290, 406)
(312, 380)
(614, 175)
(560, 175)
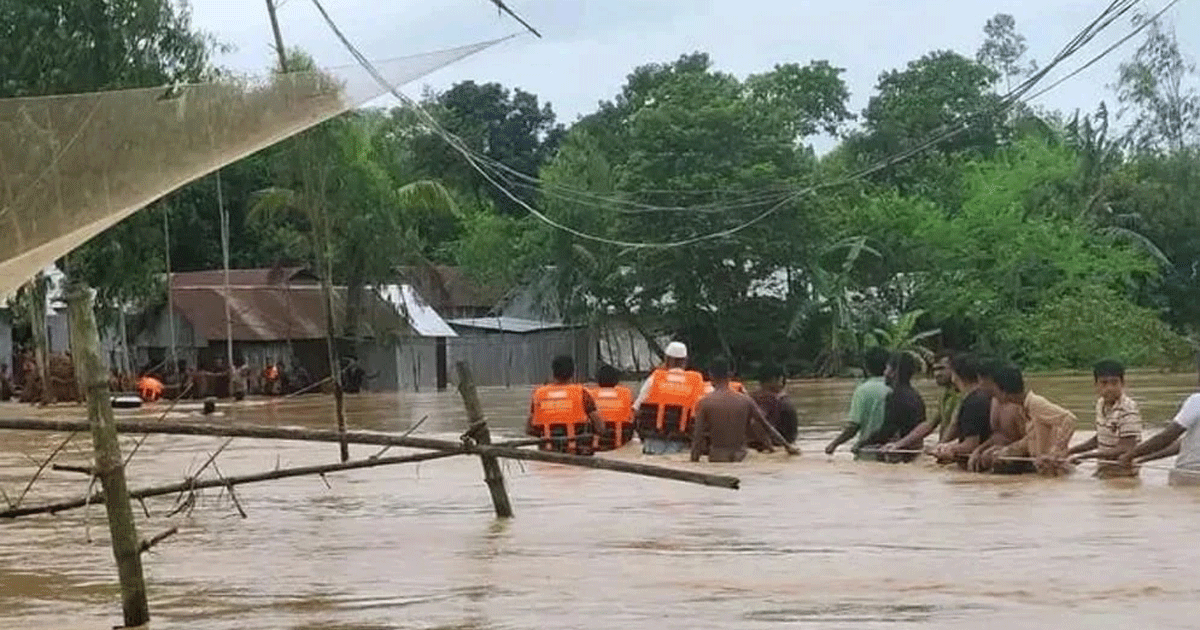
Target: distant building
(275, 315)
(451, 291)
(513, 351)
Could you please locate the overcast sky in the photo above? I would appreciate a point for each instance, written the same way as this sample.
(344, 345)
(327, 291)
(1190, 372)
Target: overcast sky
(591, 45)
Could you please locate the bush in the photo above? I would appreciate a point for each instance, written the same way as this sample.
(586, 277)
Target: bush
(1076, 329)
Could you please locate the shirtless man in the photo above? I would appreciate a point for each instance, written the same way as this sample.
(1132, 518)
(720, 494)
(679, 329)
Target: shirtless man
(1048, 427)
(1006, 423)
(726, 421)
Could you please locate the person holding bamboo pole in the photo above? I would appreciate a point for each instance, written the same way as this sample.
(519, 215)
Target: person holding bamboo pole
(1182, 436)
(1118, 423)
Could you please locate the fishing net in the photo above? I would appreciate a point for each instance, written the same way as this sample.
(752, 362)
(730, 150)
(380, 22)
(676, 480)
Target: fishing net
(72, 166)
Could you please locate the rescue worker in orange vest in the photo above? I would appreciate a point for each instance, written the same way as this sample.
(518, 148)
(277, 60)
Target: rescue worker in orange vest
(149, 388)
(615, 405)
(665, 403)
(564, 409)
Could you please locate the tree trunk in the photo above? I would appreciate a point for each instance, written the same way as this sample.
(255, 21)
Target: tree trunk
(109, 466)
(477, 428)
(37, 325)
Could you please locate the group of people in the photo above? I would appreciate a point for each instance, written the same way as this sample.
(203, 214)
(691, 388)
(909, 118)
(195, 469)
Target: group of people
(676, 410)
(988, 420)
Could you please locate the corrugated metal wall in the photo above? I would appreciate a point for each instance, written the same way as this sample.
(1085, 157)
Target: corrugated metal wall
(512, 359)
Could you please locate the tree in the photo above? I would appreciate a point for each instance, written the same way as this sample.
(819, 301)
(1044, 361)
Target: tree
(1003, 49)
(510, 127)
(1154, 87)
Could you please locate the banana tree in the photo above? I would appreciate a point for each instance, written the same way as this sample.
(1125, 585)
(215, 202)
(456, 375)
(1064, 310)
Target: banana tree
(902, 336)
(831, 293)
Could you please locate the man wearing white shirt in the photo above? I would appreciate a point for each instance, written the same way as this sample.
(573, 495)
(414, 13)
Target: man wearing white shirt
(1168, 441)
(663, 407)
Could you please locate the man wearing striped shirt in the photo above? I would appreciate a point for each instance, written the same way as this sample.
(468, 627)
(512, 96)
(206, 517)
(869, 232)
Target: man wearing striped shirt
(1118, 423)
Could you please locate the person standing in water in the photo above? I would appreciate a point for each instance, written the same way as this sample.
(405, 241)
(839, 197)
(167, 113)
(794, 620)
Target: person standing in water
(614, 404)
(903, 408)
(564, 409)
(727, 421)
(1118, 423)
(944, 421)
(663, 408)
(1048, 427)
(772, 399)
(866, 405)
(1182, 436)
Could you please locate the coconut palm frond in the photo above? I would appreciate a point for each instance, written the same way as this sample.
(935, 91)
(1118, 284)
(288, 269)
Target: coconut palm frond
(1138, 240)
(426, 193)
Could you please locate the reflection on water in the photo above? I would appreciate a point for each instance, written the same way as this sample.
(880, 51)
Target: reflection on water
(813, 542)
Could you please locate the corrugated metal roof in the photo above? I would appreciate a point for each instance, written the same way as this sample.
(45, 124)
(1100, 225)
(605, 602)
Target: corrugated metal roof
(506, 324)
(422, 317)
(446, 287)
(276, 313)
(263, 277)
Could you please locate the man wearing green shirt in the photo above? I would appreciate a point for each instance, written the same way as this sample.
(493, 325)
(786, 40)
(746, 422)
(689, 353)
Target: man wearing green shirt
(866, 405)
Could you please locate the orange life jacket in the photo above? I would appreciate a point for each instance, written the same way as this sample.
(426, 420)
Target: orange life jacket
(666, 412)
(149, 388)
(615, 405)
(734, 385)
(558, 412)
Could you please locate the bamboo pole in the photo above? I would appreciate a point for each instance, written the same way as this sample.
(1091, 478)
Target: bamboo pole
(108, 465)
(478, 430)
(378, 439)
(188, 485)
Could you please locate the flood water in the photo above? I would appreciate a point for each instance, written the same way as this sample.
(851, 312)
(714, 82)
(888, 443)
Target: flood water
(808, 542)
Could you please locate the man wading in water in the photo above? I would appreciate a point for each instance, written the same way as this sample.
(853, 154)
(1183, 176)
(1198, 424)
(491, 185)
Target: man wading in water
(1048, 427)
(726, 421)
(1169, 442)
(903, 409)
(866, 405)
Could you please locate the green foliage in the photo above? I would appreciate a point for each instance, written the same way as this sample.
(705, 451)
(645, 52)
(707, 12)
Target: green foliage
(1035, 234)
(1074, 328)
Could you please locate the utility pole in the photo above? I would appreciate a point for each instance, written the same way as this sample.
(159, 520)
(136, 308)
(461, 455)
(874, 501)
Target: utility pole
(278, 37)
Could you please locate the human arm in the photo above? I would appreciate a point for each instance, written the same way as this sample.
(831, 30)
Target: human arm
(1170, 451)
(700, 433)
(846, 435)
(589, 407)
(529, 428)
(1084, 449)
(756, 416)
(857, 413)
(642, 393)
(1161, 442)
(789, 421)
(914, 437)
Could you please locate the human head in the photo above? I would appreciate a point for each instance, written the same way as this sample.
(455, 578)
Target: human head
(941, 370)
(676, 354)
(1110, 380)
(563, 368)
(770, 378)
(986, 368)
(719, 370)
(1009, 383)
(875, 361)
(900, 368)
(964, 371)
(607, 376)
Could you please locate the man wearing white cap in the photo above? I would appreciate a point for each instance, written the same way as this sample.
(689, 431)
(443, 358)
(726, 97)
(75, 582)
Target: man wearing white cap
(664, 405)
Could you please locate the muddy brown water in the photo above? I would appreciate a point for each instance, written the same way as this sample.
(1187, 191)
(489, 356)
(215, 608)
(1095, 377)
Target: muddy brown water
(813, 542)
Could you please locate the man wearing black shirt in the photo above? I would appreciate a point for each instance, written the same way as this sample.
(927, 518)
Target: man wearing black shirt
(974, 417)
(903, 409)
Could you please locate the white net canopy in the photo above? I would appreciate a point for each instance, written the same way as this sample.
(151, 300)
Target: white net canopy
(72, 166)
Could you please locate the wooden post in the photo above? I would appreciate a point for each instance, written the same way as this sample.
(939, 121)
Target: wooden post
(478, 429)
(109, 464)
